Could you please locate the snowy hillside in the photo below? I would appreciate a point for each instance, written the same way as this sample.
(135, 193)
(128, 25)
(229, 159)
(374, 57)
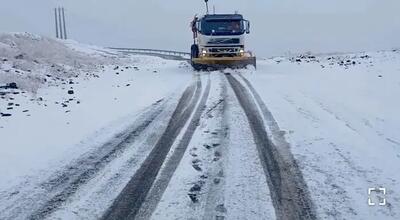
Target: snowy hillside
(83, 128)
(31, 60)
(68, 94)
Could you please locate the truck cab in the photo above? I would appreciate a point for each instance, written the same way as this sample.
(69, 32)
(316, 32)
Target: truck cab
(222, 34)
(220, 39)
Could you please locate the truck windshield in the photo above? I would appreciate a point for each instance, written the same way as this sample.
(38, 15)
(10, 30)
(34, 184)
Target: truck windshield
(222, 27)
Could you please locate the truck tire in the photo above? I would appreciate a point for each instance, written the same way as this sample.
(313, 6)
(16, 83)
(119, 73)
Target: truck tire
(194, 51)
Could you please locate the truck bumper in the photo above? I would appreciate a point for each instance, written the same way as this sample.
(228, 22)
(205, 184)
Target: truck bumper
(212, 63)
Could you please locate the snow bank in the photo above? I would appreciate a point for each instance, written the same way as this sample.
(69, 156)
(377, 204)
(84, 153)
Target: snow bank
(31, 60)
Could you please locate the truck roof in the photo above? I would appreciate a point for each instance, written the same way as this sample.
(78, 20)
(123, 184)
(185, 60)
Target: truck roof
(211, 17)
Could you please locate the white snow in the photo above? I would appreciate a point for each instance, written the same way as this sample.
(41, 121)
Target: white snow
(340, 114)
(58, 126)
(343, 123)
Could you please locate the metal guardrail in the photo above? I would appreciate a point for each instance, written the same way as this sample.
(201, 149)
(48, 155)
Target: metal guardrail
(163, 53)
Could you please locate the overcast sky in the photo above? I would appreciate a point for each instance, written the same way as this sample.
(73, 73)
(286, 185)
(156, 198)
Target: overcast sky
(278, 26)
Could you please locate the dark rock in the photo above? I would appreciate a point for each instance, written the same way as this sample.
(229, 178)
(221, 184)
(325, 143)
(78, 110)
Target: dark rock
(298, 60)
(39, 99)
(25, 111)
(117, 73)
(12, 85)
(71, 92)
(5, 114)
(117, 67)
(64, 105)
(5, 60)
(10, 108)
(380, 76)
(128, 84)
(10, 104)
(21, 56)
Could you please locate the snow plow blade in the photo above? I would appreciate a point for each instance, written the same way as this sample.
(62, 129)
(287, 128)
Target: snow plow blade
(216, 63)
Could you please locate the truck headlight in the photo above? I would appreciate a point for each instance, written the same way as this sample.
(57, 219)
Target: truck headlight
(204, 52)
(241, 51)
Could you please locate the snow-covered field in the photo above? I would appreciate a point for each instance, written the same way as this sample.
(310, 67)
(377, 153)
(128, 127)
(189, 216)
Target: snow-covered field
(74, 104)
(49, 127)
(341, 116)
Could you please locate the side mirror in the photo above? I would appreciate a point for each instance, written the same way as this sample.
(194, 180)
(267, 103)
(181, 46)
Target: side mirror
(247, 27)
(198, 26)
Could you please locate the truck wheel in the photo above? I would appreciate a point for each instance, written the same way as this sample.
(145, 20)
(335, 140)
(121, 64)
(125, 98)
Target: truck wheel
(194, 51)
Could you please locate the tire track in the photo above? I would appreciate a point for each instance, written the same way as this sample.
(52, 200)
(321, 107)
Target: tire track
(171, 165)
(129, 201)
(288, 189)
(51, 194)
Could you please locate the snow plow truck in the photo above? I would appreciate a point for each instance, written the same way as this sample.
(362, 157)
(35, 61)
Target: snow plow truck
(219, 42)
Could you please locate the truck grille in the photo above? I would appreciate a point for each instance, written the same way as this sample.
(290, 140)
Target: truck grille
(224, 41)
(223, 51)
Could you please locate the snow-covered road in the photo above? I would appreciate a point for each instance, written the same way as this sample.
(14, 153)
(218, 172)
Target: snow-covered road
(148, 138)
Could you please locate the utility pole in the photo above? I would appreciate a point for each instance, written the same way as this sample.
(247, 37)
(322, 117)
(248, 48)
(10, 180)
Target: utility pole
(60, 22)
(65, 29)
(55, 16)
